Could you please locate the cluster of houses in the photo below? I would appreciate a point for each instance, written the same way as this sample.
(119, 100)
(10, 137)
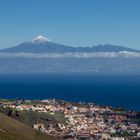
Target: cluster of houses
(83, 121)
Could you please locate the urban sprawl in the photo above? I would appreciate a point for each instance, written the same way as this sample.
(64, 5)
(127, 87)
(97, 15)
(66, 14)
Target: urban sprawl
(81, 120)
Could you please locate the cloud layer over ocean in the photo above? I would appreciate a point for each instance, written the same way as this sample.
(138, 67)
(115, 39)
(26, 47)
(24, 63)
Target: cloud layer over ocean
(74, 55)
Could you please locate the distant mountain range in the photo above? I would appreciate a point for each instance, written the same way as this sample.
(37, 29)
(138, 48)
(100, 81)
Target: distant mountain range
(42, 44)
(41, 55)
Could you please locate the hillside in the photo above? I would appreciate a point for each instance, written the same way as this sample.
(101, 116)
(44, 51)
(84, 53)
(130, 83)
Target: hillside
(11, 129)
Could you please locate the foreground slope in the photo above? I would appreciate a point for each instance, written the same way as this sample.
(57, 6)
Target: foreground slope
(11, 129)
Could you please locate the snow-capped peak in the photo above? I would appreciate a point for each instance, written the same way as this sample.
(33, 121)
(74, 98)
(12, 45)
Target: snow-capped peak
(40, 39)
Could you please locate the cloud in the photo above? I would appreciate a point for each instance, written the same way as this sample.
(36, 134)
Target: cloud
(124, 54)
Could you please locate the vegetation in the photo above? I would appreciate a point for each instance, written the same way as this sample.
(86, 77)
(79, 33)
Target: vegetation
(135, 120)
(11, 129)
(30, 117)
(124, 134)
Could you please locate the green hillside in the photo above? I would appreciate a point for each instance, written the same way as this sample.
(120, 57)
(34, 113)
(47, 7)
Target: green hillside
(11, 129)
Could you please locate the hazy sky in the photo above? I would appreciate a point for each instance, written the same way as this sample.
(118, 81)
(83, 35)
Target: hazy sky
(71, 22)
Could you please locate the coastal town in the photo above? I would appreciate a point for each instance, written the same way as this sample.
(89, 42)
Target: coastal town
(79, 121)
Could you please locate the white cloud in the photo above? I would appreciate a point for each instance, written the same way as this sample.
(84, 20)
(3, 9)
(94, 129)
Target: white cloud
(124, 54)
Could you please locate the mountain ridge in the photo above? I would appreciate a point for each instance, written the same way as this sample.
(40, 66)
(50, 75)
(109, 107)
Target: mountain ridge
(41, 44)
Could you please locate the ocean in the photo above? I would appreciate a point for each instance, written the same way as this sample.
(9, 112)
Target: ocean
(117, 91)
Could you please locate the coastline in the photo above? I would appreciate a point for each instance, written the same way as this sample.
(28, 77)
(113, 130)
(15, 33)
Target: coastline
(74, 120)
(116, 91)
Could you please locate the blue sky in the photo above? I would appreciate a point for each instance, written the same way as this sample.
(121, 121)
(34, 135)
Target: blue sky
(71, 22)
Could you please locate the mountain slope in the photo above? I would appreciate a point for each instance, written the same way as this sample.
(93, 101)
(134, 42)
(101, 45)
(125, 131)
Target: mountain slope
(41, 55)
(11, 129)
(42, 44)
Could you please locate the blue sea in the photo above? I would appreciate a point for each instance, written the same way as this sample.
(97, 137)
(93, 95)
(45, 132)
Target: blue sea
(117, 91)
